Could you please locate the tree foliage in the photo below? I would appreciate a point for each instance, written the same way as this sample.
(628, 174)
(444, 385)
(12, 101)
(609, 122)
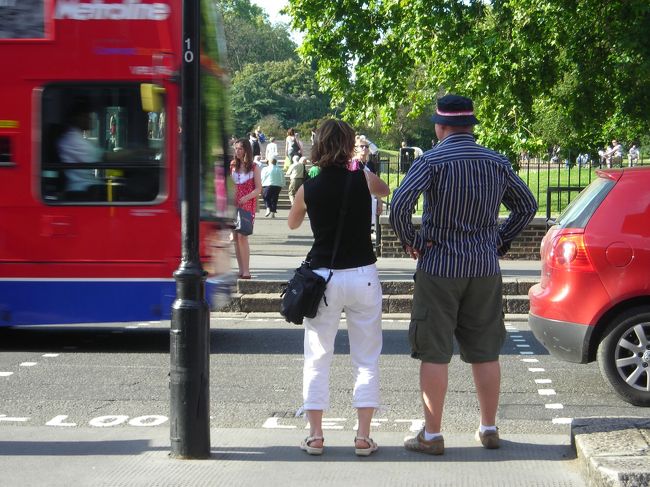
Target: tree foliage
(251, 38)
(286, 89)
(524, 62)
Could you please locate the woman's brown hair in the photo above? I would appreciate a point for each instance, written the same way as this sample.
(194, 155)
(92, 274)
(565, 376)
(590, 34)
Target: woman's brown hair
(247, 162)
(333, 144)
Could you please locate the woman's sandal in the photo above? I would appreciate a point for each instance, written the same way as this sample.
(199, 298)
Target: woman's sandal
(305, 445)
(364, 452)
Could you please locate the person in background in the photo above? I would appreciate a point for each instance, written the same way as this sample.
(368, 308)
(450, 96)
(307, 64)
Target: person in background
(271, 149)
(361, 160)
(261, 138)
(255, 145)
(73, 147)
(296, 175)
(272, 184)
(633, 156)
(614, 154)
(246, 176)
(292, 144)
(354, 286)
(458, 288)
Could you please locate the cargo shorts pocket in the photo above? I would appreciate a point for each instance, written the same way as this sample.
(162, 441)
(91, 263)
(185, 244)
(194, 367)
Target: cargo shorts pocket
(417, 332)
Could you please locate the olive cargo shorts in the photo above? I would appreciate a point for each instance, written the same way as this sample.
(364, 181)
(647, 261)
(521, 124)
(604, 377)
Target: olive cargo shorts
(470, 309)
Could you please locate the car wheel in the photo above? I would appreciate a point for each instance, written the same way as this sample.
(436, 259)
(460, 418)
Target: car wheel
(624, 356)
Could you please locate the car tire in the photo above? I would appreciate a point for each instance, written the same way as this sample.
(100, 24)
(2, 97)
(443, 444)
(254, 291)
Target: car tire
(624, 355)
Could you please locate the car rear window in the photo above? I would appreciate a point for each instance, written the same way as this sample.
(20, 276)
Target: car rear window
(579, 211)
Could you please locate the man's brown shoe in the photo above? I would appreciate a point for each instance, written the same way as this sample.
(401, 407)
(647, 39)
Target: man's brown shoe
(419, 444)
(489, 439)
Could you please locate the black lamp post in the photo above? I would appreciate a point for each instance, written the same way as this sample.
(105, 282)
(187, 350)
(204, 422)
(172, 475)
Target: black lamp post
(190, 325)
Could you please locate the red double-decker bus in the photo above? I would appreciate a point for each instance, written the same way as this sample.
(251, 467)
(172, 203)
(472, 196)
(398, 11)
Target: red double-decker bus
(90, 176)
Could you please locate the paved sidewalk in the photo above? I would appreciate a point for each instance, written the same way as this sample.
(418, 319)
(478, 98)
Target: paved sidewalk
(31, 456)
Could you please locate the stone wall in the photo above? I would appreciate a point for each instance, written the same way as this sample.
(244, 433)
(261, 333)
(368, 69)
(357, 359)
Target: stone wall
(524, 247)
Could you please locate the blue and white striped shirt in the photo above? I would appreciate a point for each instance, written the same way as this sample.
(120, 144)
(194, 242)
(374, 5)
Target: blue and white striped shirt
(464, 185)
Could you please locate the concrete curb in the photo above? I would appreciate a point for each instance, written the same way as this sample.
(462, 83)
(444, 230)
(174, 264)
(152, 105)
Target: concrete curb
(613, 452)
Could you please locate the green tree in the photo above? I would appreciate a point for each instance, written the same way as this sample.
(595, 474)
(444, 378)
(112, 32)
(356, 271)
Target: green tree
(585, 60)
(251, 38)
(286, 89)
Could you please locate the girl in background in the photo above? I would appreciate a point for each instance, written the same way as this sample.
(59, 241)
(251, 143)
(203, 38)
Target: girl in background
(248, 182)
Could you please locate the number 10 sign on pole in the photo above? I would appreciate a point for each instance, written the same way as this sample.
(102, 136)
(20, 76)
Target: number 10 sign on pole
(190, 326)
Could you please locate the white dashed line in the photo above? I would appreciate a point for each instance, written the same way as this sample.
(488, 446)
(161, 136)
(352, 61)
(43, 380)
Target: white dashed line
(530, 360)
(49, 355)
(6, 374)
(27, 364)
(554, 406)
(523, 346)
(546, 392)
(522, 352)
(562, 420)
(543, 381)
(536, 369)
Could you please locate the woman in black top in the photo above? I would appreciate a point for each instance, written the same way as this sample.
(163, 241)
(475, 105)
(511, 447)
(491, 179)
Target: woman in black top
(353, 288)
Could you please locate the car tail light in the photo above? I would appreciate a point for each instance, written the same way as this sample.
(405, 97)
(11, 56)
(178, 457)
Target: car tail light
(568, 252)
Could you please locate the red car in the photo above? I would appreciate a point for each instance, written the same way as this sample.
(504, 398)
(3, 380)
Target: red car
(593, 301)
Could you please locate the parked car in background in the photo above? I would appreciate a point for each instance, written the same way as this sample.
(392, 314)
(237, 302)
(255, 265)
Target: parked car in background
(593, 301)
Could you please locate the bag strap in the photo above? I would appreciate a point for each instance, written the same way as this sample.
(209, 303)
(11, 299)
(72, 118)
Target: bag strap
(339, 227)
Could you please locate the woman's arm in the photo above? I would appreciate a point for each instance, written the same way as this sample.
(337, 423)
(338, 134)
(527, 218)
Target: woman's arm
(298, 210)
(376, 185)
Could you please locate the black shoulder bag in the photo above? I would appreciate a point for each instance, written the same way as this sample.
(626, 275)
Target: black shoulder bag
(304, 291)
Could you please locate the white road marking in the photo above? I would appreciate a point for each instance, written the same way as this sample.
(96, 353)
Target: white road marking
(416, 424)
(543, 381)
(562, 420)
(546, 392)
(107, 421)
(4, 417)
(522, 352)
(6, 374)
(50, 355)
(523, 346)
(530, 360)
(272, 423)
(554, 406)
(536, 369)
(149, 420)
(330, 423)
(27, 364)
(59, 421)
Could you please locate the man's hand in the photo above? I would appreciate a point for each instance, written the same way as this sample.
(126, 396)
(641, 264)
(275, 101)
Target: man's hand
(415, 253)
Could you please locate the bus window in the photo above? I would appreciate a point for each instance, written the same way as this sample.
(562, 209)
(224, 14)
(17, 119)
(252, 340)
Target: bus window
(6, 156)
(116, 148)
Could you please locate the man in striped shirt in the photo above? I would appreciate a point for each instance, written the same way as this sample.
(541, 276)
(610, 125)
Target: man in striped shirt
(458, 278)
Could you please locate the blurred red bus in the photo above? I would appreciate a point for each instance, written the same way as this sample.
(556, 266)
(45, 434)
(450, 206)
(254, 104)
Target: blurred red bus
(100, 242)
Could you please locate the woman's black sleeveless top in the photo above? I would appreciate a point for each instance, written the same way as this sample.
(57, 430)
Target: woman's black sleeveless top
(324, 197)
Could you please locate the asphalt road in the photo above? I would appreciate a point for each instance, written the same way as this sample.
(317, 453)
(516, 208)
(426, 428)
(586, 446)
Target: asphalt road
(117, 376)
